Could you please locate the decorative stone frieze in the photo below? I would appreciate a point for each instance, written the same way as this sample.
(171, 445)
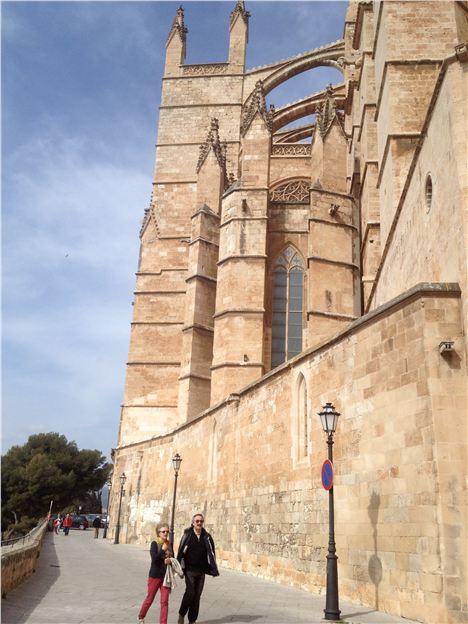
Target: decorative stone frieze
(296, 149)
(208, 69)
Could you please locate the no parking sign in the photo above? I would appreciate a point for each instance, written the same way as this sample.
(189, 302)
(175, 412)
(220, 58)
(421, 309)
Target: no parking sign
(327, 474)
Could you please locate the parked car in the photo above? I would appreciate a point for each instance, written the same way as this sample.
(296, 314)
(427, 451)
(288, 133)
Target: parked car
(79, 522)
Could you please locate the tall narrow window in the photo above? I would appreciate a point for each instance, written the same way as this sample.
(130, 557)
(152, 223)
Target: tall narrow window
(302, 420)
(288, 284)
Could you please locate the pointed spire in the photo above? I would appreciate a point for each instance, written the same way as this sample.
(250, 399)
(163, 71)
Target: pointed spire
(219, 148)
(327, 112)
(256, 104)
(239, 9)
(178, 26)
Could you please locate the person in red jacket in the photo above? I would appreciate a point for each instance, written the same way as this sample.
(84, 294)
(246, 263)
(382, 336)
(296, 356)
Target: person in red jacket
(67, 522)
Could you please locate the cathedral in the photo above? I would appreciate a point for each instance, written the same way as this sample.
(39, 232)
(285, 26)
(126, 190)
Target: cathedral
(285, 264)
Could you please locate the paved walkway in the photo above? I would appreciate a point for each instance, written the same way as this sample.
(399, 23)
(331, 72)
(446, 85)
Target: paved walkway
(81, 580)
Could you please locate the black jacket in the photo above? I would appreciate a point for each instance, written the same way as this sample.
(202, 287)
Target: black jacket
(211, 567)
(97, 523)
(158, 567)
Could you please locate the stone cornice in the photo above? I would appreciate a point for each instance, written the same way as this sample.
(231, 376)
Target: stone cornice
(340, 263)
(212, 280)
(154, 363)
(231, 364)
(201, 75)
(349, 226)
(159, 292)
(334, 315)
(231, 219)
(198, 327)
(195, 376)
(200, 105)
(255, 257)
(238, 311)
(162, 323)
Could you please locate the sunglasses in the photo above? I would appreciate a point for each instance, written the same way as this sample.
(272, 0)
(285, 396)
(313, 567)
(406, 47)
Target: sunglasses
(199, 521)
(164, 531)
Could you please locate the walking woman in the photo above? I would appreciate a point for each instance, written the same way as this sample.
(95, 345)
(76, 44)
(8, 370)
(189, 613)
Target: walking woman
(160, 558)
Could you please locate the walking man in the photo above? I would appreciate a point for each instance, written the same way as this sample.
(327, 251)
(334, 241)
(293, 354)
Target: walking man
(197, 558)
(97, 526)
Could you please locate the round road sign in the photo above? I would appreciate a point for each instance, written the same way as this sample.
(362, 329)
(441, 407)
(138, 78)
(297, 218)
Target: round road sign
(327, 474)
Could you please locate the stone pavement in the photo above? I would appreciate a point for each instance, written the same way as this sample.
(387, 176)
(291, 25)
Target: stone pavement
(83, 580)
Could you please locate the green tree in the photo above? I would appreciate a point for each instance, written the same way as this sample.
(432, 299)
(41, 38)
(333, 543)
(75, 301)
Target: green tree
(46, 468)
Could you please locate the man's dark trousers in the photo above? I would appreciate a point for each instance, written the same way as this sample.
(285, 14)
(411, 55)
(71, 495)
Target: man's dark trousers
(194, 582)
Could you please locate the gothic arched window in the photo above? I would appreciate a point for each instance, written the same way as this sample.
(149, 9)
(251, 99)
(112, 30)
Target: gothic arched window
(288, 284)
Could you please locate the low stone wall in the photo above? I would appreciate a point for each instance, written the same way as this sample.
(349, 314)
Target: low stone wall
(19, 560)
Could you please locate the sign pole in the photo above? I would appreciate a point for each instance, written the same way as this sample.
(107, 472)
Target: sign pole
(332, 610)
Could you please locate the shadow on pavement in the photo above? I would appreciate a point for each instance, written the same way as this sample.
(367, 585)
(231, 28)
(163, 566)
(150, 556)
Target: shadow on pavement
(14, 610)
(356, 614)
(228, 619)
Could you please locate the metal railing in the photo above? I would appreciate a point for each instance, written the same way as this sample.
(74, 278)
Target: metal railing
(25, 538)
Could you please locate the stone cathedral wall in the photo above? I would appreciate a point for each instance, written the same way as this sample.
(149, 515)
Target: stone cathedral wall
(398, 464)
(373, 239)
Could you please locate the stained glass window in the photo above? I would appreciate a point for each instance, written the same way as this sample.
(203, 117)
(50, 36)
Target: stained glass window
(288, 286)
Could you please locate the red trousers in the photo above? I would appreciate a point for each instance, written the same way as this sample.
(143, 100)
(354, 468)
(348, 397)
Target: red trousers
(153, 585)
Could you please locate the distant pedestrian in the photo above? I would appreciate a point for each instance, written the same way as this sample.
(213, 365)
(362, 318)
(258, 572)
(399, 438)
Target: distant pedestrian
(56, 525)
(97, 526)
(67, 522)
(161, 553)
(197, 557)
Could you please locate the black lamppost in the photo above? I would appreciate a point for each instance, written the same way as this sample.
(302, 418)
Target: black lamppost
(106, 521)
(122, 478)
(329, 417)
(176, 461)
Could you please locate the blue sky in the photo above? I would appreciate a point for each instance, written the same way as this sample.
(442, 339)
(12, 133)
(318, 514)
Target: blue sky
(80, 95)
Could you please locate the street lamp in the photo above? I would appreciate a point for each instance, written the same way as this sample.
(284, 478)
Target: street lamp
(176, 461)
(106, 521)
(329, 418)
(122, 478)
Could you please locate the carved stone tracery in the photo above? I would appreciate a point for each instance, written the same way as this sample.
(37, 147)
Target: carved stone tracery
(291, 191)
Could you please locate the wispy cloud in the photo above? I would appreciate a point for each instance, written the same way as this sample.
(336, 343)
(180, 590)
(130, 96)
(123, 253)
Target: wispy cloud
(70, 249)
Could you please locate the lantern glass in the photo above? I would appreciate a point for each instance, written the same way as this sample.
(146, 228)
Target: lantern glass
(329, 418)
(123, 478)
(176, 461)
